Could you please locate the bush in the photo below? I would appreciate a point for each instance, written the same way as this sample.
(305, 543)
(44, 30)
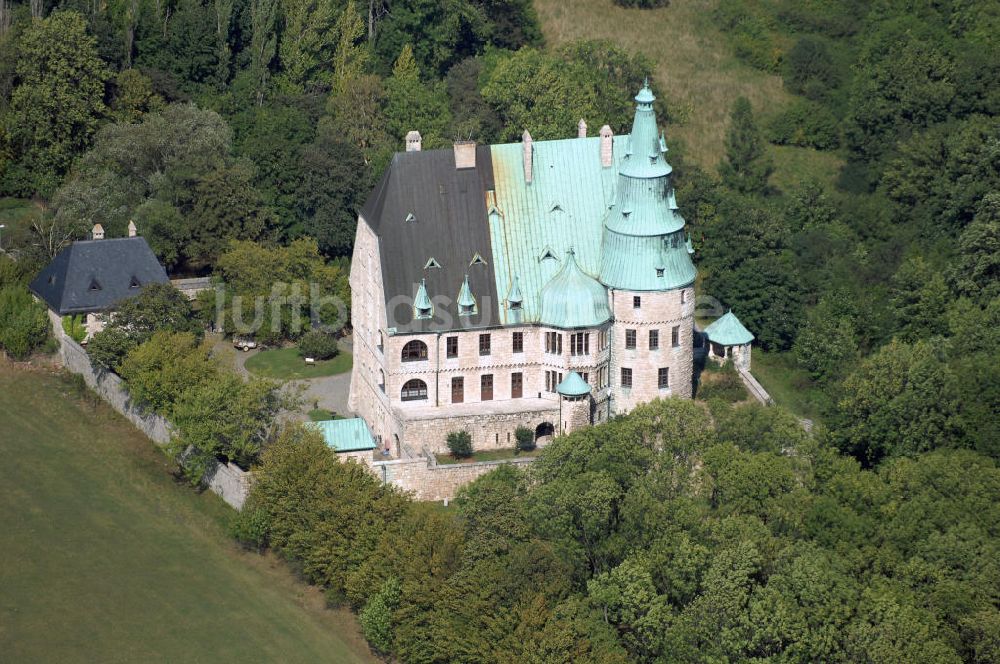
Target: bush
(721, 382)
(460, 444)
(74, 327)
(525, 439)
(250, 528)
(376, 618)
(805, 124)
(24, 325)
(319, 345)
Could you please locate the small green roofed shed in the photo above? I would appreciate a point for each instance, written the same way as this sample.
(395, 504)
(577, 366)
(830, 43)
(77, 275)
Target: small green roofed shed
(729, 340)
(728, 331)
(573, 386)
(349, 435)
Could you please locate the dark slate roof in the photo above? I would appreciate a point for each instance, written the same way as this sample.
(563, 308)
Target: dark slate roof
(447, 208)
(94, 275)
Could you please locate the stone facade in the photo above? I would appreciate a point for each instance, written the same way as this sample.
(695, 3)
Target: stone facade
(455, 368)
(424, 479)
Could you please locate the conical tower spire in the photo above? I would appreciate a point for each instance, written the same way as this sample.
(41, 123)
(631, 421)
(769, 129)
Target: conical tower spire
(422, 307)
(643, 248)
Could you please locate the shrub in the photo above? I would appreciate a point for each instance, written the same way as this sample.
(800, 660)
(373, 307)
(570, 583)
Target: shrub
(376, 617)
(460, 444)
(74, 327)
(250, 528)
(721, 383)
(524, 439)
(24, 325)
(319, 345)
(805, 124)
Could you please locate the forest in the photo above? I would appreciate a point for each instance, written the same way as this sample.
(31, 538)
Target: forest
(238, 130)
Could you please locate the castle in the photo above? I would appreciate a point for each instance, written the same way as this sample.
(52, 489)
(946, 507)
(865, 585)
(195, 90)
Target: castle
(544, 284)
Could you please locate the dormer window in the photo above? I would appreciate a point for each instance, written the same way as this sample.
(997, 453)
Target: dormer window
(411, 217)
(431, 263)
(134, 283)
(547, 254)
(659, 272)
(94, 285)
(423, 312)
(477, 260)
(515, 305)
(52, 279)
(466, 309)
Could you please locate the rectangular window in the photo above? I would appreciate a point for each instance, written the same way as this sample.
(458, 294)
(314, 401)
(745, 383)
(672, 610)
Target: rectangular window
(663, 378)
(636, 301)
(486, 387)
(516, 385)
(675, 336)
(626, 377)
(457, 389)
(630, 339)
(585, 377)
(684, 295)
(579, 343)
(549, 381)
(553, 343)
(484, 344)
(451, 343)
(517, 340)
(654, 339)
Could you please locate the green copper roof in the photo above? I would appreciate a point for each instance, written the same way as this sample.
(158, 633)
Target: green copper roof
(422, 306)
(574, 299)
(515, 296)
(562, 207)
(573, 386)
(728, 331)
(466, 303)
(351, 435)
(643, 247)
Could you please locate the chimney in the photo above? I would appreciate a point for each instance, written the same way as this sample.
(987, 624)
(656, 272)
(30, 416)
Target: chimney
(607, 145)
(98, 232)
(527, 156)
(131, 228)
(581, 128)
(413, 141)
(465, 154)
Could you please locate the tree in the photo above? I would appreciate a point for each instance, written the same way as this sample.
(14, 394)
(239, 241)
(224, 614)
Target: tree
(58, 103)
(24, 325)
(460, 444)
(263, 43)
(412, 103)
(524, 439)
(827, 346)
(920, 299)
(809, 69)
(159, 370)
(308, 40)
(899, 401)
(227, 207)
(327, 197)
(157, 307)
(746, 167)
(976, 268)
(224, 418)
(133, 97)
(376, 618)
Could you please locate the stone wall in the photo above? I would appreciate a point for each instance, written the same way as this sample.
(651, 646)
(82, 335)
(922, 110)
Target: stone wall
(230, 482)
(659, 311)
(488, 431)
(427, 480)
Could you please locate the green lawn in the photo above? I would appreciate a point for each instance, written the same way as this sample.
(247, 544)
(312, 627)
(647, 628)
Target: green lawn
(488, 455)
(105, 558)
(287, 364)
(787, 384)
(322, 414)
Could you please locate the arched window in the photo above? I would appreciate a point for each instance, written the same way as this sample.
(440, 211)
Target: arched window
(414, 390)
(414, 350)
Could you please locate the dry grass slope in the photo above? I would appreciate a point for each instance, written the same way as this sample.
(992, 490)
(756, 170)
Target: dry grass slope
(696, 70)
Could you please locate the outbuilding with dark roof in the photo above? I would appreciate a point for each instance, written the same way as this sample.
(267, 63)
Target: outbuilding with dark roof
(90, 276)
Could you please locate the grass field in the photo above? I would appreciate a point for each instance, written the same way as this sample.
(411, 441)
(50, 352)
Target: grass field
(105, 558)
(787, 383)
(287, 364)
(696, 71)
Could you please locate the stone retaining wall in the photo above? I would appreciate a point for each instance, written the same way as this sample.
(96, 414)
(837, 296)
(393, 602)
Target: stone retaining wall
(229, 481)
(427, 480)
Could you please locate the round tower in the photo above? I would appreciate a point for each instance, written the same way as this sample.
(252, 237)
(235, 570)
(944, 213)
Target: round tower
(574, 403)
(646, 265)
